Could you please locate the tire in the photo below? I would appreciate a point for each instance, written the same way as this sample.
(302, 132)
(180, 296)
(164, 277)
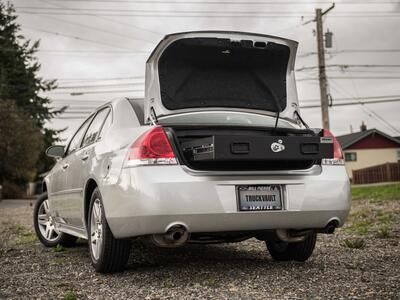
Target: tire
(43, 223)
(107, 253)
(283, 251)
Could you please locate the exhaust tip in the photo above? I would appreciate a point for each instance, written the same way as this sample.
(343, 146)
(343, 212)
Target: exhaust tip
(331, 227)
(177, 235)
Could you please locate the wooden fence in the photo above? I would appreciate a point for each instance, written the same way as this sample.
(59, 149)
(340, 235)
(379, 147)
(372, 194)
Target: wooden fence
(380, 173)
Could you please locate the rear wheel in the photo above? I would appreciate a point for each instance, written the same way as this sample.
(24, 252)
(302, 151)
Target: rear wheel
(44, 225)
(300, 251)
(108, 254)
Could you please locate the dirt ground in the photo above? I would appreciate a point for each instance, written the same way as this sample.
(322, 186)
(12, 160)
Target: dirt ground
(360, 261)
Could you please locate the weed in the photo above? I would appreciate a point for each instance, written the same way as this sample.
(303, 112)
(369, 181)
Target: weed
(27, 238)
(385, 218)
(16, 229)
(354, 243)
(58, 248)
(361, 222)
(70, 296)
(384, 231)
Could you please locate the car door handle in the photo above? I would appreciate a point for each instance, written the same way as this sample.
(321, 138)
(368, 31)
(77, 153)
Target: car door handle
(65, 166)
(85, 157)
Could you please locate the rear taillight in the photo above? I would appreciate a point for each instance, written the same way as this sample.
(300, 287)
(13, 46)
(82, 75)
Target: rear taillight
(151, 148)
(337, 151)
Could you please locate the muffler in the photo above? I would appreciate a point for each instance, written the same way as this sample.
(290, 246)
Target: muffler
(177, 235)
(286, 236)
(330, 228)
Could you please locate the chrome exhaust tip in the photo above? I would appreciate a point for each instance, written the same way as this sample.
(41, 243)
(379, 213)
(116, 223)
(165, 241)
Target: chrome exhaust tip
(176, 236)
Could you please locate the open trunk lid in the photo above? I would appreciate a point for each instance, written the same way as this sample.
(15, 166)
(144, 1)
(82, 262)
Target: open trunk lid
(200, 71)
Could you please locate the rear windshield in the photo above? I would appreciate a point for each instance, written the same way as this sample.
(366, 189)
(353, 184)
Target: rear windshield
(212, 72)
(223, 118)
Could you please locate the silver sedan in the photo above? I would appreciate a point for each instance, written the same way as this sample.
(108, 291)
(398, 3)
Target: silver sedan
(216, 152)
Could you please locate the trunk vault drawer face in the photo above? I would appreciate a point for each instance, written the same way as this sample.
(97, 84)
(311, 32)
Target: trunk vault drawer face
(240, 147)
(259, 197)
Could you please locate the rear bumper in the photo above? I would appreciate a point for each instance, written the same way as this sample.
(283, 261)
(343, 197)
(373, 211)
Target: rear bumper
(148, 200)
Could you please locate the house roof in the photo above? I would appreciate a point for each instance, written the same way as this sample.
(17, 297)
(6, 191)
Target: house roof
(349, 139)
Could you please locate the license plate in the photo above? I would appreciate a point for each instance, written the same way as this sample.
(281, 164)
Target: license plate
(259, 197)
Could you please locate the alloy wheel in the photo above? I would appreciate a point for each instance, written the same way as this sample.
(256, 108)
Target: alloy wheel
(46, 222)
(96, 229)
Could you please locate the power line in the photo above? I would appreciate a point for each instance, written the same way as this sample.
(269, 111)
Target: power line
(344, 66)
(212, 14)
(382, 97)
(353, 103)
(351, 77)
(304, 54)
(90, 79)
(109, 10)
(79, 93)
(228, 2)
(92, 51)
(77, 38)
(99, 86)
(102, 30)
(130, 25)
(371, 113)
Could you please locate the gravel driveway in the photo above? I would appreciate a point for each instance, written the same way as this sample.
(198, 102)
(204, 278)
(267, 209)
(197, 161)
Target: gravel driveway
(340, 267)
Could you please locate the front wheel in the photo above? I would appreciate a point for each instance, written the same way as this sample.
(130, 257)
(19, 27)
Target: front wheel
(300, 251)
(44, 225)
(108, 254)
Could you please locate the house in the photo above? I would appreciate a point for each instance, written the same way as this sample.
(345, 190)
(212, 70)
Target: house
(368, 148)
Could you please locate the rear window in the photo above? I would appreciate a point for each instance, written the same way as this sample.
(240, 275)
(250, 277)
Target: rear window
(223, 118)
(212, 72)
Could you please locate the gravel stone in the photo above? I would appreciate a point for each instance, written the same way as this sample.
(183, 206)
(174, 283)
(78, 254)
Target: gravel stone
(227, 271)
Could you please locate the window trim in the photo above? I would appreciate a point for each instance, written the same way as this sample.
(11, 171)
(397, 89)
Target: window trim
(101, 126)
(98, 138)
(91, 116)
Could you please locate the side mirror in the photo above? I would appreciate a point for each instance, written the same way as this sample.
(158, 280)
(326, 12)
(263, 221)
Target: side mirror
(56, 151)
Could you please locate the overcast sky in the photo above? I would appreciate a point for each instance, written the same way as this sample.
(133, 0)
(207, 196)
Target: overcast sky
(86, 43)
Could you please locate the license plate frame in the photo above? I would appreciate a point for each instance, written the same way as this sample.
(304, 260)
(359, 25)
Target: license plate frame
(263, 197)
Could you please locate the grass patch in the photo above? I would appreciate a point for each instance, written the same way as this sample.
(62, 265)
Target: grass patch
(27, 238)
(377, 193)
(354, 243)
(16, 229)
(371, 219)
(384, 232)
(59, 248)
(15, 234)
(70, 296)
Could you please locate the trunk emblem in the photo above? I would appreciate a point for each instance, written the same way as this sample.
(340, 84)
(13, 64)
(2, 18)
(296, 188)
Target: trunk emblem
(277, 146)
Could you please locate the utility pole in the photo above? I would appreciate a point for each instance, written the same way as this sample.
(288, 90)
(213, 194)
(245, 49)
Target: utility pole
(323, 84)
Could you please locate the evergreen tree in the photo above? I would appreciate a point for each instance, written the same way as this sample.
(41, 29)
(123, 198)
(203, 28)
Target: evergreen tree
(21, 86)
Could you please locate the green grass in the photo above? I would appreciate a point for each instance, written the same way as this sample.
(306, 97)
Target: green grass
(377, 193)
(354, 243)
(384, 231)
(370, 220)
(374, 215)
(70, 296)
(59, 248)
(27, 238)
